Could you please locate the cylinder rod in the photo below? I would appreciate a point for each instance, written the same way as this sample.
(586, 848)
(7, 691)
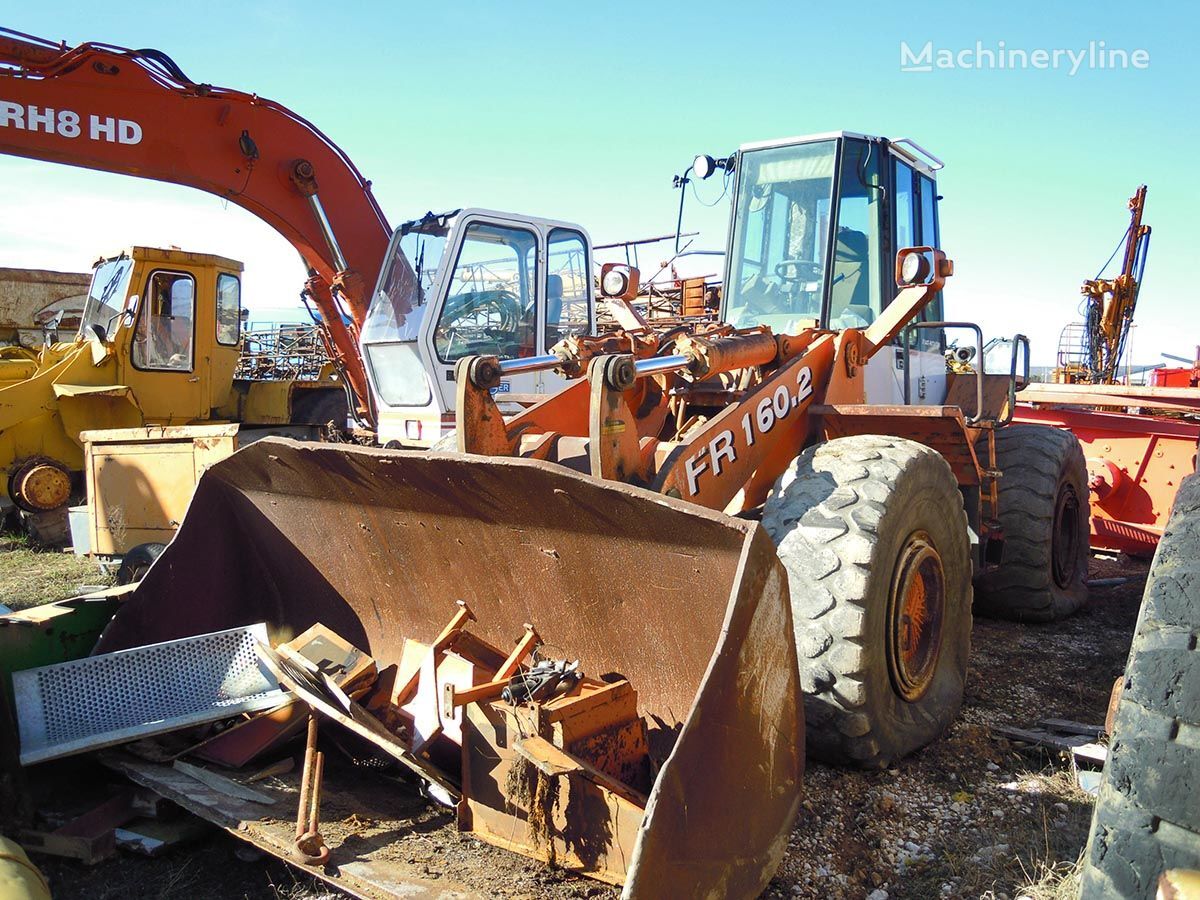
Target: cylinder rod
(659, 365)
(529, 364)
(327, 230)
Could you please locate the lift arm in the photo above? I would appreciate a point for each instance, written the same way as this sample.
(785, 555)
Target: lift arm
(135, 112)
(727, 461)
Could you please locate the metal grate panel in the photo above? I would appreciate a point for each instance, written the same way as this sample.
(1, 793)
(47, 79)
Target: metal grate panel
(108, 699)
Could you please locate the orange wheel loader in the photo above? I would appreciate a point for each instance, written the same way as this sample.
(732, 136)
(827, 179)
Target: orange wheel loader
(774, 526)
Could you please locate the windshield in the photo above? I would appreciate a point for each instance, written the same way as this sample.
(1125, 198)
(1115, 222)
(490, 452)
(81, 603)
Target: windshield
(106, 297)
(404, 287)
(489, 306)
(780, 235)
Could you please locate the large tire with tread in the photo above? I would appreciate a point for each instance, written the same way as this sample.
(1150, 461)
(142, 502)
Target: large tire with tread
(873, 535)
(1147, 816)
(1044, 516)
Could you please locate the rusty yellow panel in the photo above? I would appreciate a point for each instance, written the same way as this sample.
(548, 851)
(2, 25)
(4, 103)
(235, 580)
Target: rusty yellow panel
(112, 408)
(268, 403)
(39, 434)
(140, 480)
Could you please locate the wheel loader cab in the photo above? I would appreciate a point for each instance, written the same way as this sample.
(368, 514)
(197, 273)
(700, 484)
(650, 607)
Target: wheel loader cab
(470, 283)
(816, 225)
(177, 337)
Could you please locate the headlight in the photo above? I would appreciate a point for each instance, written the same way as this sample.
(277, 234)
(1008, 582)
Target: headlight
(614, 283)
(914, 269)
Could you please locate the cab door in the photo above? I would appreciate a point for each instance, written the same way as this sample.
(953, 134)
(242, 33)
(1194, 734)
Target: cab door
(489, 302)
(163, 366)
(568, 305)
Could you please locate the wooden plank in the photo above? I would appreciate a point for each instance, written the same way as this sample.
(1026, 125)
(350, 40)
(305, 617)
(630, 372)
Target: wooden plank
(372, 871)
(220, 783)
(548, 758)
(1040, 738)
(1175, 399)
(1090, 752)
(152, 838)
(1137, 391)
(88, 850)
(1066, 726)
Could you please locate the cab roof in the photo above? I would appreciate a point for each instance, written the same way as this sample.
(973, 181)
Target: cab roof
(913, 152)
(175, 256)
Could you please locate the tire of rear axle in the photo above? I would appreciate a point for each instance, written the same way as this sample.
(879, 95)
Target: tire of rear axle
(843, 517)
(1044, 516)
(1147, 818)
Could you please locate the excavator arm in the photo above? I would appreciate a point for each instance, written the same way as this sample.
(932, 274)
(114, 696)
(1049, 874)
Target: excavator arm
(135, 112)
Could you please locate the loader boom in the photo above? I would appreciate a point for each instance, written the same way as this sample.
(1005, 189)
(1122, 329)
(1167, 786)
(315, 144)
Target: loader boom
(730, 460)
(135, 112)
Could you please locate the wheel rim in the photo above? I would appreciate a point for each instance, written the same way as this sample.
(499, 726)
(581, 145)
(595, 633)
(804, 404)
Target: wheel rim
(40, 486)
(916, 608)
(1064, 545)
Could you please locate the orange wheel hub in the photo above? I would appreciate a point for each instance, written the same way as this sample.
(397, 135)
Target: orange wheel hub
(916, 605)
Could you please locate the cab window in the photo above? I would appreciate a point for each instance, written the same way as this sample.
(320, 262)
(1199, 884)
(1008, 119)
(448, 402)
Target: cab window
(568, 310)
(229, 309)
(489, 308)
(855, 292)
(165, 327)
(906, 212)
(925, 206)
(780, 235)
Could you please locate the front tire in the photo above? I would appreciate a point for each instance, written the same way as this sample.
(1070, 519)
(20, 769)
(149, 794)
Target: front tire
(873, 535)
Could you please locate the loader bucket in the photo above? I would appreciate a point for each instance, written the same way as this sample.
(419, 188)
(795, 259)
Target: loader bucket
(690, 605)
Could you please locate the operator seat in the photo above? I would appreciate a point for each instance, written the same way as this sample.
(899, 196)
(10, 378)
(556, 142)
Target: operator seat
(851, 284)
(554, 305)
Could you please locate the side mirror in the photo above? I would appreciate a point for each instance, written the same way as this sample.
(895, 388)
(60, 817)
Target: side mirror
(619, 281)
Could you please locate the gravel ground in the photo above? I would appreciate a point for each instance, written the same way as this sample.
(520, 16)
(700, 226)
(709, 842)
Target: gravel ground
(970, 816)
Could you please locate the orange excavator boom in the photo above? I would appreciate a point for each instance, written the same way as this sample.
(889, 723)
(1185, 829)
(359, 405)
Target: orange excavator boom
(135, 112)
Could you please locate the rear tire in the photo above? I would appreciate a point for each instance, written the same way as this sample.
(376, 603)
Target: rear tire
(873, 535)
(1044, 516)
(1147, 817)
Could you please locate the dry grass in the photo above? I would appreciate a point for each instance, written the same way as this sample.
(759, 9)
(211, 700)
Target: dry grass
(1054, 881)
(30, 576)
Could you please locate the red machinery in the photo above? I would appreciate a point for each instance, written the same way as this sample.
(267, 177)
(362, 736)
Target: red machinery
(110, 108)
(1135, 461)
(1140, 442)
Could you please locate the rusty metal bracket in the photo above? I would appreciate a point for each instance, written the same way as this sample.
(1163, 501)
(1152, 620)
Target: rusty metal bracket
(310, 849)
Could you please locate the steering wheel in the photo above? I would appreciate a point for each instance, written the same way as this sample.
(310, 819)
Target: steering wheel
(802, 270)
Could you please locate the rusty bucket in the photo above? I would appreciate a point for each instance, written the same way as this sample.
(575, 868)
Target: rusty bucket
(690, 605)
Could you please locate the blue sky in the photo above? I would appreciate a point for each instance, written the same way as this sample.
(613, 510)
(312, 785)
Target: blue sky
(584, 111)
